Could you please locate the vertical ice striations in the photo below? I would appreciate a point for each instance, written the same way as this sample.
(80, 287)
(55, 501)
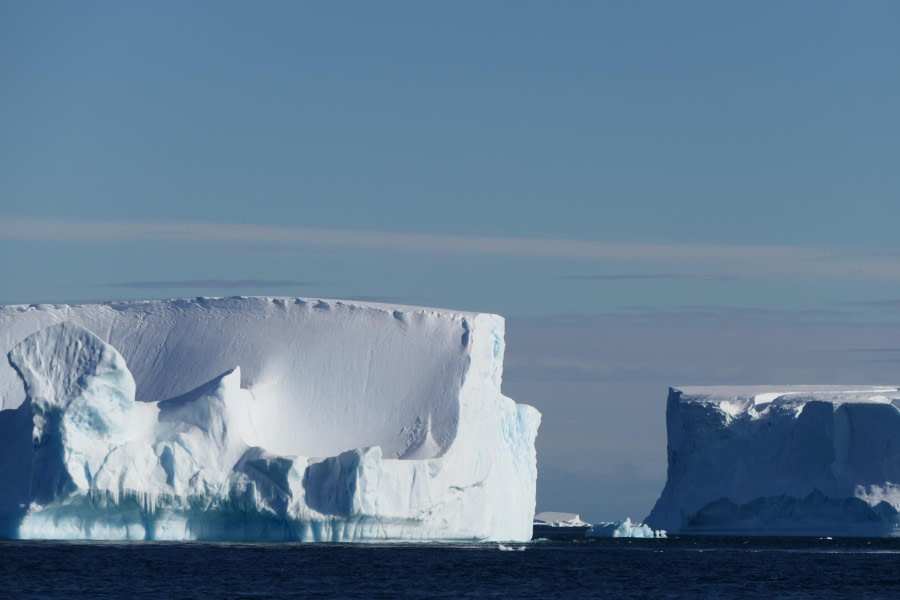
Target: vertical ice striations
(79, 400)
(261, 419)
(792, 460)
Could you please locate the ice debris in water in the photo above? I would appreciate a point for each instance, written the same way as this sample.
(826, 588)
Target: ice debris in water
(623, 528)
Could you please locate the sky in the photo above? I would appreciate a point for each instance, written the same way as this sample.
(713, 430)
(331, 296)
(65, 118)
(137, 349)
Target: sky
(652, 193)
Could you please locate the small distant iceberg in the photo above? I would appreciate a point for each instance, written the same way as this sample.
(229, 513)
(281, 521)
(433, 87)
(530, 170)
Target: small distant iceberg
(504, 548)
(569, 526)
(623, 528)
(558, 526)
(560, 519)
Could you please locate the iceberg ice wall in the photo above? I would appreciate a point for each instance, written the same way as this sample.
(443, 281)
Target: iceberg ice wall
(791, 460)
(260, 418)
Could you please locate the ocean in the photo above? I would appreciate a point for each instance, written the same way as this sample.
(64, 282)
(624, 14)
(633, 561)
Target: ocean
(681, 567)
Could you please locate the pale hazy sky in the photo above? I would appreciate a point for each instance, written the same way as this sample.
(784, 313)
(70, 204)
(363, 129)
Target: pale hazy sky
(654, 193)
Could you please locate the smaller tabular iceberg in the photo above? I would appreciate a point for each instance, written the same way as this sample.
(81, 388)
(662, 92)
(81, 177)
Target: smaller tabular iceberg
(559, 526)
(81, 458)
(559, 519)
(793, 460)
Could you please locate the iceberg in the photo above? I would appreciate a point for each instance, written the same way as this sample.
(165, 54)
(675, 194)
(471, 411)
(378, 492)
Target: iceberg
(562, 525)
(559, 526)
(791, 460)
(623, 528)
(559, 519)
(260, 419)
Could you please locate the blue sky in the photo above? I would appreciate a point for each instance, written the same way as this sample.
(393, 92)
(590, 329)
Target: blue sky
(654, 170)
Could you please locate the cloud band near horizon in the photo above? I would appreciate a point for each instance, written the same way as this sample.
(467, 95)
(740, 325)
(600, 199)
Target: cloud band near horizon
(723, 260)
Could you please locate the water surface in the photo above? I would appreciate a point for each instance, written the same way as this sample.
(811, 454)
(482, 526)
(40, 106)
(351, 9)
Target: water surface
(686, 567)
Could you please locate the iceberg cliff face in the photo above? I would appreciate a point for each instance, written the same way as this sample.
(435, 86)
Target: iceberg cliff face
(792, 460)
(260, 419)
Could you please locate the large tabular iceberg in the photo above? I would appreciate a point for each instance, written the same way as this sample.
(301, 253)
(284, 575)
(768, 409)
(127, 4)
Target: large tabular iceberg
(793, 460)
(260, 419)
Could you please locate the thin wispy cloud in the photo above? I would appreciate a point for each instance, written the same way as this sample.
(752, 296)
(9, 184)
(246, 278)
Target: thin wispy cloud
(392, 299)
(878, 304)
(873, 350)
(696, 314)
(694, 259)
(674, 348)
(619, 277)
(235, 284)
(756, 313)
(624, 277)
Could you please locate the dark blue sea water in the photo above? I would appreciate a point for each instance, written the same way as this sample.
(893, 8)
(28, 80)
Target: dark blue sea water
(674, 568)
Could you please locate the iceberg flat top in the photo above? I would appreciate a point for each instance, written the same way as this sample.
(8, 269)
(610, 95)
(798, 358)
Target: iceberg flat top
(150, 305)
(559, 519)
(734, 400)
(352, 374)
(838, 393)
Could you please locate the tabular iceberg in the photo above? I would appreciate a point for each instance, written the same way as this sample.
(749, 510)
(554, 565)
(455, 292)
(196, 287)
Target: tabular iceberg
(260, 419)
(793, 460)
(559, 526)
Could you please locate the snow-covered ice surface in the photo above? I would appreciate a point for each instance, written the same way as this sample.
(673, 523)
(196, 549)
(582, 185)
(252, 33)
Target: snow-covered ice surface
(791, 460)
(260, 419)
(623, 528)
(559, 519)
